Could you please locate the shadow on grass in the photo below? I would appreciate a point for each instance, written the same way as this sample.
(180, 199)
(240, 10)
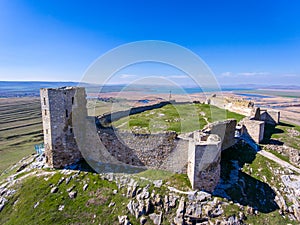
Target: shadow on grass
(286, 124)
(269, 131)
(81, 165)
(241, 187)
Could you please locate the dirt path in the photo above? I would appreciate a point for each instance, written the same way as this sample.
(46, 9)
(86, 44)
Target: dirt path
(278, 160)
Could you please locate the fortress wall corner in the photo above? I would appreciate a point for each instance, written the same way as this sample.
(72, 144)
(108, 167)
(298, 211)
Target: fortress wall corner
(225, 130)
(270, 116)
(58, 106)
(254, 129)
(204, 159)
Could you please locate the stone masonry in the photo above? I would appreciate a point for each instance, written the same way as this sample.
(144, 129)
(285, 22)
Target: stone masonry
(198, 154)
(204, 157)
(58, 105)
(270, 116)
(225, 130)
(254, 129)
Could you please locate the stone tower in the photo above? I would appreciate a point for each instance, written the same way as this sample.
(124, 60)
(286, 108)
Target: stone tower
(58, 106)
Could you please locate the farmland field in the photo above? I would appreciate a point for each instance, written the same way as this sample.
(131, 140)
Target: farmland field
(20, 129)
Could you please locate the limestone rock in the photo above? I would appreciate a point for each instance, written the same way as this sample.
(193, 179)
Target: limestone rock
(111, 204)
(172, 200)
(71, 188)
(130, 207)
(178, 220)
(166, 203)
(156, 218)
(296, 212)
(242, 216)
(73, 194)
(147, 206)
(144, 194)
(85, 187)
(217, 212)
(2, 203)
(36, 205)
(202, 196)
(157, 200)
(68, 179)
(60, 181)
(157, 183)
(180, 210)
(208, 210)
(123, 220)
(143, 220)
(54, 190)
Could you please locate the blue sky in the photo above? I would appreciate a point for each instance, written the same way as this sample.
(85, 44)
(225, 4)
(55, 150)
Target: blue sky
(243, 42)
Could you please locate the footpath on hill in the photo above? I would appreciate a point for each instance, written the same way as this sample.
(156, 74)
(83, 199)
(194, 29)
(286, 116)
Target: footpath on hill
(278, 160)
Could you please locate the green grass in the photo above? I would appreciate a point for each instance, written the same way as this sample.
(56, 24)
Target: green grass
(280, 156)
(272, 218)
(180, 118)
(282, 134)
(179, 181)
(81, 210)
(259, 179)
(20, 129)
(89, 207)
(155, 174)
(96, 107)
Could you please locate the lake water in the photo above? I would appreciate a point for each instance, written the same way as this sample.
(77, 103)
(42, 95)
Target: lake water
(250, 96)
(21, 89)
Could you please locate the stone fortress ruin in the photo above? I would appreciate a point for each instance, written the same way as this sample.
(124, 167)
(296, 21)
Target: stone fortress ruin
(70, 135)
(58, 106)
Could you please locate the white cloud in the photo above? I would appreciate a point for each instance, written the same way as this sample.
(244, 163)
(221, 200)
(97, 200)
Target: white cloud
(253, 73)
(178, 76)
(125, 76)
(226, 74)
(290, 75)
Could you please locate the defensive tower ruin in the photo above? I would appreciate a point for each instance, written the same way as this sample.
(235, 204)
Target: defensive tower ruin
(58, 107)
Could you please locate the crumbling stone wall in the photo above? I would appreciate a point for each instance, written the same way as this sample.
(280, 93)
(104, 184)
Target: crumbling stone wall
(225, 130)
(204, 159)
(270, 116)
(148, 150)
(253, 128)
(198, 154)
(110, 117)
(58, 106)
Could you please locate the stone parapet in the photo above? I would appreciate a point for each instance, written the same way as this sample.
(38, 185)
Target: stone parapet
(204, 159)
(225, 130)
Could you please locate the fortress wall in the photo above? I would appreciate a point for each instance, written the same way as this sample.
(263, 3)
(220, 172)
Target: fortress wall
(110, 117)
(256, 113)
(204, 163)
(148, 150)
(254, 129)
(270, 116)
(177, 160)
(225, 130)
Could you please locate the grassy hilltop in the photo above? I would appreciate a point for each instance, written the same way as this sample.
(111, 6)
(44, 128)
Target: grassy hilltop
(251, 183)
(181, 118)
